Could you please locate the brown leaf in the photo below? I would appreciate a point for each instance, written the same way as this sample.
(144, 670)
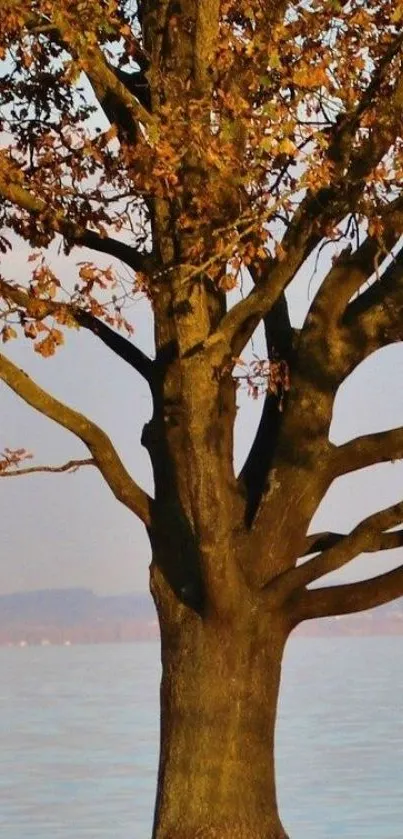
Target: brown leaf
(7, 333)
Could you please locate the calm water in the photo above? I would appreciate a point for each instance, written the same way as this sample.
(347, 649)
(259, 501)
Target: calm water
(79, 737)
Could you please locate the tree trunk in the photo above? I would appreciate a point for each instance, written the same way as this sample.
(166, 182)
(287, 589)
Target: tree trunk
(219, 692)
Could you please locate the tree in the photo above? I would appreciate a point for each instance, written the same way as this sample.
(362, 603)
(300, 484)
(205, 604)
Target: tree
(195, 142)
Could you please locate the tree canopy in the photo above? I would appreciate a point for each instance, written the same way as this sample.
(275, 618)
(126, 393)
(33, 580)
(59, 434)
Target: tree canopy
(194, 142)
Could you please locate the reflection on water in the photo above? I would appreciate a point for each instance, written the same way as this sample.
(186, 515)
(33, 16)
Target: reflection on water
(79, 740)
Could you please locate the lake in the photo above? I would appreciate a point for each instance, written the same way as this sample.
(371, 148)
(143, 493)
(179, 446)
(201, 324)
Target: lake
(79, 740)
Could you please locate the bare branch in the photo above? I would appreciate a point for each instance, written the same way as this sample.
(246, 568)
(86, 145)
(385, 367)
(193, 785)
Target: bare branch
(367, 536)
(324, 541)
(71, 466)
(351, 597)
(326, 353)
(368, 450)
(117, 343)
(103, 452)
(58, 223)
(120, 345)
(136, 260)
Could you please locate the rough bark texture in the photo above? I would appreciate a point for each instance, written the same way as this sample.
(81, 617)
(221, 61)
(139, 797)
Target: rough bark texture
(219, 692)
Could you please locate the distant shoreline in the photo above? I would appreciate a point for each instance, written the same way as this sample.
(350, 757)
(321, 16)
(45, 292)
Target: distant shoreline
(77, 616)
(144, 636)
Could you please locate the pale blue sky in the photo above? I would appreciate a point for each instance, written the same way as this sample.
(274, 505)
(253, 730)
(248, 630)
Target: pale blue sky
(68, 530)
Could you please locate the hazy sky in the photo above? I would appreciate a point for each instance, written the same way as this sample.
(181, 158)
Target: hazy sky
(68, 530)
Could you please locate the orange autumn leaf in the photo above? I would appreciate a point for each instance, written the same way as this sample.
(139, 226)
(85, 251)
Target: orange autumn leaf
(7, 333)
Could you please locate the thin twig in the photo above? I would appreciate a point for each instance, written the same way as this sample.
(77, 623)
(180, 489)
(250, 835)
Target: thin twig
(71, 466)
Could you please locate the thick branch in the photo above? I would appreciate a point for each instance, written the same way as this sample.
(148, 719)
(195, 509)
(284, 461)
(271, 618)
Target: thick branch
(239, 323)
(113, 92)
(70, 466)
(117, 343)
(125, 253)
(374, 319)
(352, 597)
(371, 321)
(103, 452)
(368, 450)
(207, 28)
(326, 353)
(352, 270)
(59, 223)
(367, 536)
(324, 541)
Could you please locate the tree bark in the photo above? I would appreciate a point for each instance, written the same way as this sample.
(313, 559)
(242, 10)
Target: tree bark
(219, 692)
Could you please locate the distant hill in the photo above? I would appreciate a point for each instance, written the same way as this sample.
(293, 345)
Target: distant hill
(65, 606)
(77, 615)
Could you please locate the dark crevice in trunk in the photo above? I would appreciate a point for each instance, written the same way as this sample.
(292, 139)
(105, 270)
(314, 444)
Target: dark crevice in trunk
(255, 473)
(175, 546)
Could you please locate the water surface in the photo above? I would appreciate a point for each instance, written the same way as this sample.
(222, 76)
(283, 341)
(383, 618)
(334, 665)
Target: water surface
(79, 740)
